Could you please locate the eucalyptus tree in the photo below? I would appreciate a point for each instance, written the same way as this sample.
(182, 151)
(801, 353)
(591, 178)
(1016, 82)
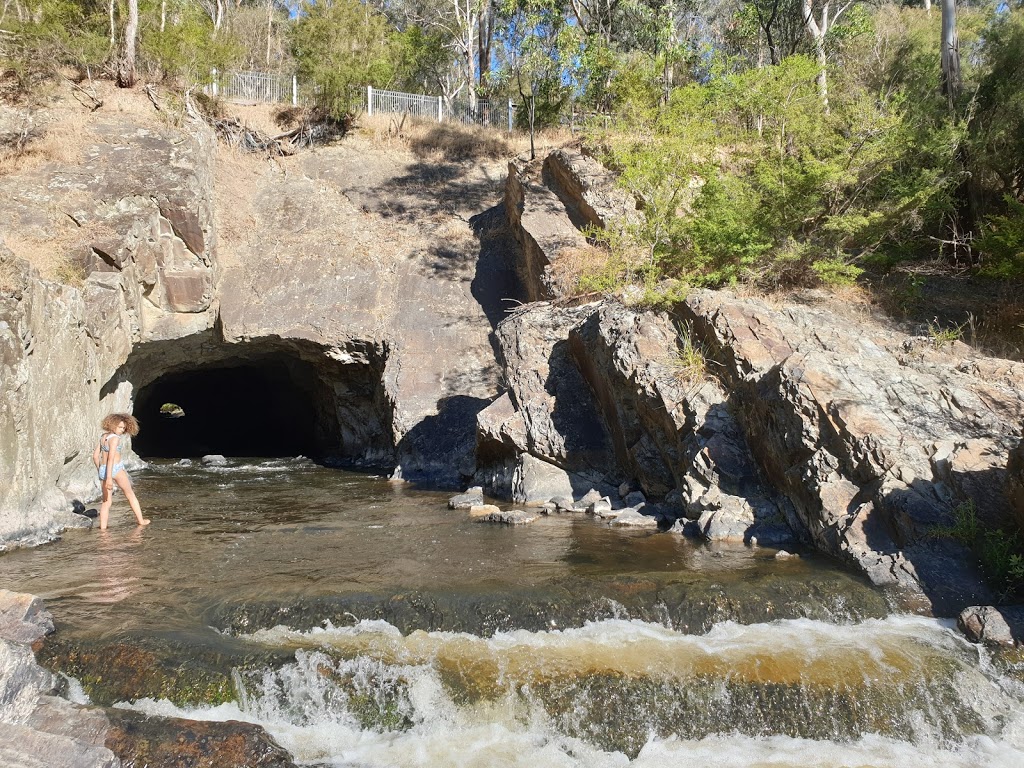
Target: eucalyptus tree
(126, 75)
(950, 62)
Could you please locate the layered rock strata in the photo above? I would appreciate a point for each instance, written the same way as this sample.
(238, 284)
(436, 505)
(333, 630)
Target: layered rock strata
(135, 218)
(862, 439)
(39, 727)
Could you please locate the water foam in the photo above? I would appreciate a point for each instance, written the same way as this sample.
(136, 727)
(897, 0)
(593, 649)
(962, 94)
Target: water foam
(366, 695)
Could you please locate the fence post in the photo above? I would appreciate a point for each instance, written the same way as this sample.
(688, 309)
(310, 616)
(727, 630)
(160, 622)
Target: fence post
(510, 114)
(369, 99)
(440, 110)
(213, 80)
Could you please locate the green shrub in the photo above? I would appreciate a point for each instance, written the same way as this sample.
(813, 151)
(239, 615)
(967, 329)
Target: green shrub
(187, 49)
(1000, 554)
(341, 47)
(748, 177)
(57, 33)
(1003, 245)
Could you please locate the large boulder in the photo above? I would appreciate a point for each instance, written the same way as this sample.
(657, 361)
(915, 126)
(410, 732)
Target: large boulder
(874, 435)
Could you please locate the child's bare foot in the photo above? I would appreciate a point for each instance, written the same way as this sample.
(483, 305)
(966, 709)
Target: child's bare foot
(145, 521)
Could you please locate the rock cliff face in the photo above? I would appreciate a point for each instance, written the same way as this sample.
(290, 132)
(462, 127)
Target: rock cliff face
(367, 284)
(136, 218)
(862, 439)
(351, 279)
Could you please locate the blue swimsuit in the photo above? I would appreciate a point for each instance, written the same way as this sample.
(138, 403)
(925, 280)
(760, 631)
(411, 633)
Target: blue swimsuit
(104, 447)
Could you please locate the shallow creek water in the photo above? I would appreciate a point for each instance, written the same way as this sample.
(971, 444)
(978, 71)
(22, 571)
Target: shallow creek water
(410, 635)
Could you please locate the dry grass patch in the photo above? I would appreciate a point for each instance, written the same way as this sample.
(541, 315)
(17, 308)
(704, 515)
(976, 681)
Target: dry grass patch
(32, 146)
(53, 257)
(9, 273)
(574, 269)
(430, 140)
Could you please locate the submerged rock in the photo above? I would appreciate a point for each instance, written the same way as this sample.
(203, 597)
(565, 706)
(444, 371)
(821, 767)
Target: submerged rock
(510, 517)
(632, 518)
(38, 728)
(171, 742)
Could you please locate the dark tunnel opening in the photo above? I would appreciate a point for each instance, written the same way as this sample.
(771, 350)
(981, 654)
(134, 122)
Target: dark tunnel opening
(256, 408)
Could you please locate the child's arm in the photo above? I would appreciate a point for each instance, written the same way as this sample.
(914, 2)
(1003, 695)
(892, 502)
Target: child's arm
(96, 456)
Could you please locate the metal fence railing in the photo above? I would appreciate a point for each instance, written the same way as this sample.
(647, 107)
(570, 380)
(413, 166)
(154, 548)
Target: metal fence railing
(380, 101)
(254, 87)
(498, 115)
(273, 88)
(434, 108)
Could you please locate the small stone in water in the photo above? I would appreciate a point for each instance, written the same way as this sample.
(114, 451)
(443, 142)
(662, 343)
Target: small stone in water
(564, 504)
(480, 510)
(472, 497)
(510, 517)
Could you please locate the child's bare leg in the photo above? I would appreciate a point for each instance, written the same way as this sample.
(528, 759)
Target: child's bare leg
(125, 484)
(108, 499)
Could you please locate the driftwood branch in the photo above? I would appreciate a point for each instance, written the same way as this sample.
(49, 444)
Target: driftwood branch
(151, 93)
(93, 103)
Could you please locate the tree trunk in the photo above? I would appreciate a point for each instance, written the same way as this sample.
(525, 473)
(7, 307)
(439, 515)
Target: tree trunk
(822, 78)
(950, 54)
(484, 39)
(816, 30)
(126, 77)
(270, 21)
(113, 27)
(928, 7)
(163, 15)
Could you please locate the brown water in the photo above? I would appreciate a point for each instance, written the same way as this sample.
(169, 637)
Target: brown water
(418, 636)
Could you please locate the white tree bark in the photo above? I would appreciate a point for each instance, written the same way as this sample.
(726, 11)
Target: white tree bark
(113, 26)
(817, 29)
(950, 53)
(126, 76)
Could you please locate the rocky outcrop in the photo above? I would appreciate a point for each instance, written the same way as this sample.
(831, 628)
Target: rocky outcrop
(588, 190)
(136, 219)
(875, 436)
(597, 396)
(353, 274)
(997, 626)
(539, 221)
(858, 437)
(38, 727)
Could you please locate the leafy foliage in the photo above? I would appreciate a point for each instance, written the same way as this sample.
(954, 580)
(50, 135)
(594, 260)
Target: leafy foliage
(58, 33)
(1000, 554)
(187, 49)
(749, 178)
(341, 47)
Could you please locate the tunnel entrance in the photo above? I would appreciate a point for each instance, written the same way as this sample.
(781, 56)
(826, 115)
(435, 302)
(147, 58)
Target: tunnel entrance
(246, 410)
(199, 395)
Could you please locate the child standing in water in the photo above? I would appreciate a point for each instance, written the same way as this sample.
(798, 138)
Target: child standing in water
(107, 458)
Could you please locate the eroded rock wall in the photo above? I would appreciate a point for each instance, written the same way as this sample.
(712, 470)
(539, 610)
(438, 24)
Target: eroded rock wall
(861, 439)
(135, 221)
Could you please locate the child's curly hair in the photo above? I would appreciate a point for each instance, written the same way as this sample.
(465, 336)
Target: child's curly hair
(131, 424)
